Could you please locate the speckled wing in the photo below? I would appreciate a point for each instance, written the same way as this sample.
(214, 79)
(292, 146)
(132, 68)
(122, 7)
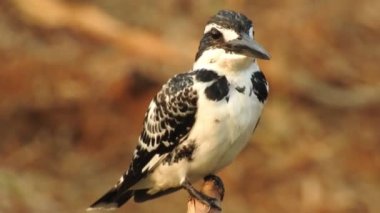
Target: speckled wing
(168, 121)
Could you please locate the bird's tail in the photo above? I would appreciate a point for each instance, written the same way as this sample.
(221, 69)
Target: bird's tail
(113, 199)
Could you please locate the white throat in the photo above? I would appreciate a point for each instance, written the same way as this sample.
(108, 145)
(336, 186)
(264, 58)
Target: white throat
(222, 62)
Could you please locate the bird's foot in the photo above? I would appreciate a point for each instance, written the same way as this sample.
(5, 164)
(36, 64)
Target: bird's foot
(213, 203)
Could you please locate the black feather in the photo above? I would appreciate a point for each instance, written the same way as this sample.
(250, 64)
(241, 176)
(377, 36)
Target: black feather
(167, 123)
(228, 20)
(218, 90)
(259, 86)
(114, 198)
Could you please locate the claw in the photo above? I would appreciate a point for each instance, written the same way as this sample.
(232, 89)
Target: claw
(214, 204)
(209, 201)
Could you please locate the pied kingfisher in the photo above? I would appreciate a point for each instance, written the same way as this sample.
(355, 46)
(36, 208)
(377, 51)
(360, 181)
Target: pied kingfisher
(200, 120)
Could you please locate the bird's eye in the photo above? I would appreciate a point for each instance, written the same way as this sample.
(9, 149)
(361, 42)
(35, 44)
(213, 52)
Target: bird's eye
(215, 34)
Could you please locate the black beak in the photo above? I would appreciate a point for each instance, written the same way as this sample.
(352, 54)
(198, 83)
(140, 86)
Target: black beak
(249, 47)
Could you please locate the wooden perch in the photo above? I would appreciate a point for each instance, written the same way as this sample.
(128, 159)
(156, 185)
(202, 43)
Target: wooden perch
(212, 187)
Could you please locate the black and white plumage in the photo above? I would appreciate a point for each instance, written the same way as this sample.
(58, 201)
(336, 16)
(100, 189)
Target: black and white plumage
(201, 119)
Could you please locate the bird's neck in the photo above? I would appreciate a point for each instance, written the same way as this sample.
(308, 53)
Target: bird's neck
(224, 63)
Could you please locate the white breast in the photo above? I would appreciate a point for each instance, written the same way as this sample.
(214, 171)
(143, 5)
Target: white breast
(222, 129)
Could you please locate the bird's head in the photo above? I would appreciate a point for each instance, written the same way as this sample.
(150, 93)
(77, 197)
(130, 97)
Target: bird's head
(228, 40)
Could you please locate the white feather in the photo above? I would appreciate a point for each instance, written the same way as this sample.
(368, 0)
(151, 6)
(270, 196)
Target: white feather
(228, 34)
(153, 162)
(222, 129)
(224, 63)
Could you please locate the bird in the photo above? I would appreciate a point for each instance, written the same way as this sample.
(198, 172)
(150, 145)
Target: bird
(200, 120)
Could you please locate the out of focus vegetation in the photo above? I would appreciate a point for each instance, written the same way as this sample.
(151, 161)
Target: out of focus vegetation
(76, 77)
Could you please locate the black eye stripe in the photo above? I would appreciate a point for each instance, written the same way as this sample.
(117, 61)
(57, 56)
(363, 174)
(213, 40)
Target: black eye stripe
(215, 34)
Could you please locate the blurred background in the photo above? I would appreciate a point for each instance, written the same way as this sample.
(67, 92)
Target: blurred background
(77, 75)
